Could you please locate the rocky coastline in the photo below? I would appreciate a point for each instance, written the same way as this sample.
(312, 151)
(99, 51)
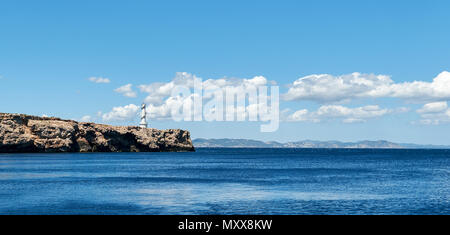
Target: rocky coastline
(20, 133)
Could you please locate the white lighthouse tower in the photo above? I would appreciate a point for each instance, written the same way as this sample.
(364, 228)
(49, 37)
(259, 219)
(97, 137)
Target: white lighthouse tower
(143, 123)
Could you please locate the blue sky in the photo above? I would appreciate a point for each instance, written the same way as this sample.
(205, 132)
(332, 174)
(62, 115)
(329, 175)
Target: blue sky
(50, 49)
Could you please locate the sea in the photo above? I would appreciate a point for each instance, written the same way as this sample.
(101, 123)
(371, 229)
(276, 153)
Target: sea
(228, 181)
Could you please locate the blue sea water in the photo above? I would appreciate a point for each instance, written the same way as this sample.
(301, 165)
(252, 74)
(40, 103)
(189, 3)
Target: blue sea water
(228, 181)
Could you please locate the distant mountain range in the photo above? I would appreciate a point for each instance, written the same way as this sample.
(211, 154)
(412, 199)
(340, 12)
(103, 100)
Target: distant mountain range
(247, 143)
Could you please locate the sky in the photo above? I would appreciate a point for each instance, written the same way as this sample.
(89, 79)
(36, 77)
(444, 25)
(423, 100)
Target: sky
(346, 70)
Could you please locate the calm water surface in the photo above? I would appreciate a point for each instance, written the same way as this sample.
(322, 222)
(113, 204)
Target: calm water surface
(228, 181)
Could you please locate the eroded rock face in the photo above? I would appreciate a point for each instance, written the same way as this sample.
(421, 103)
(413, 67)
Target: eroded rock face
(24, 133)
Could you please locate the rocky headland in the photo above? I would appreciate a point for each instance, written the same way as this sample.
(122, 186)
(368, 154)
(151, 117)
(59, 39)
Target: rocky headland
(21, 133)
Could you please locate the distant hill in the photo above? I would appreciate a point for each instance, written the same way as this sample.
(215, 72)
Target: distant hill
(247, 143)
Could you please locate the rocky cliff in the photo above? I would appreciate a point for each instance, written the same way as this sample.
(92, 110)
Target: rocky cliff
(24, 133)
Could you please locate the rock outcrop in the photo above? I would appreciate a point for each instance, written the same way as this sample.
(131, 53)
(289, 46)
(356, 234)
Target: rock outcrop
(21, 133)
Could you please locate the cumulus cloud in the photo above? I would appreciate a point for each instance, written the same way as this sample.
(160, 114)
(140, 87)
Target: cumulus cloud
(158, 91)
(327, 88)
(323, 88)
(121, 113)
(99, 80)
(345, 114)
(435, 107)
(161, 101)
(434, 113)
(86, 118)
(171, 107)
(126, 90)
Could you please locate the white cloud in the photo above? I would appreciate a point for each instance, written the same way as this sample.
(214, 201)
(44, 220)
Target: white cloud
(437, 90)
(303, 115)
(327, 88)
(157, 92)
(436, 118)
(345, 114)
(162, 104)
(123, 113)
(99, 80)
(86, 118)
(324, 88)
(434, 113)
(126, 90)
(160, 100)
(434, 107)
(168, 108)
